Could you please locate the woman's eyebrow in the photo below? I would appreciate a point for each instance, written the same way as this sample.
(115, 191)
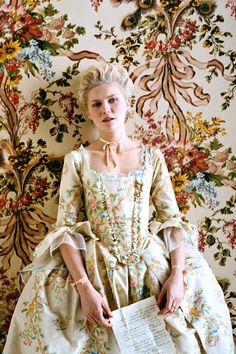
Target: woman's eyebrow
(110, 96)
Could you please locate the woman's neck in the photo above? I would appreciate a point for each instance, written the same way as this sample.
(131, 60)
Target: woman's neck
(113, 138)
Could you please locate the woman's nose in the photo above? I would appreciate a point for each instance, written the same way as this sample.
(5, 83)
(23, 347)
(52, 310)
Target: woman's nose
(106, 107)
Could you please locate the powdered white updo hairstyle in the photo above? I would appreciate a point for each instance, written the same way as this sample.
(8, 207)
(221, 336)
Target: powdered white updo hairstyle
(102, 73)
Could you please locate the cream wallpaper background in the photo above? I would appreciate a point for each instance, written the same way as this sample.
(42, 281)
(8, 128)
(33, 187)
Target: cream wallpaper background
(181, 57)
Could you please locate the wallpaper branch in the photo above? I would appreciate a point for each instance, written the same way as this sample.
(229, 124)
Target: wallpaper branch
(181, 59)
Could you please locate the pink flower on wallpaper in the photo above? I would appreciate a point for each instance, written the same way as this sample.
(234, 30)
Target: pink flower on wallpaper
(68, 104)
(96, 4)
(30, 114)
(56, 24)
(47, 35)
(201, 241)
(3, 202)
(69, 34)
(222, 156)
(229, 230)
(14, 98)
(232, 5)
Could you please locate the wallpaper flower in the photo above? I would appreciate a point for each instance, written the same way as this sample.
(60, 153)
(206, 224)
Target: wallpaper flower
(181, 59)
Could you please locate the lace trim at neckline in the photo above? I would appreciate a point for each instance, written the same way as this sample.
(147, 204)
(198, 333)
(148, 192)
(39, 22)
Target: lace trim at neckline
(143, 160)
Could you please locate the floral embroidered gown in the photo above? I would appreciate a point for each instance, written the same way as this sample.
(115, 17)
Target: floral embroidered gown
(126, 259)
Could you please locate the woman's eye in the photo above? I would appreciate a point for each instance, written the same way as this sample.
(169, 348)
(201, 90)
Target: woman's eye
(97, 104)
(112, 100)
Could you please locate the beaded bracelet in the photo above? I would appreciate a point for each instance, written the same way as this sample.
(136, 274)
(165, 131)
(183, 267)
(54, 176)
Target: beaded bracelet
(177, 266)
(81, 281)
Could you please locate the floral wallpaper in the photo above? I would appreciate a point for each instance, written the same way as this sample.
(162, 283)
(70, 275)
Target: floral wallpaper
(181, 57)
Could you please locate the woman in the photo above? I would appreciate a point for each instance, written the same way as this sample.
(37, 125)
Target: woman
(103, 254)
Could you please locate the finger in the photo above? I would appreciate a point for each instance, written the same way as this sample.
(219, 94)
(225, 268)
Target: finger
(169, 302)
(168, 307)
(107, 310)
(173, 309)
(97, 320)
(105, 322)
(175, 305)
(161, 296)
(100, 320)
(91, 319)
(164, 311)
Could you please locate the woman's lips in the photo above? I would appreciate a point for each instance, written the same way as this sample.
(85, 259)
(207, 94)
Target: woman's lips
(107, 119)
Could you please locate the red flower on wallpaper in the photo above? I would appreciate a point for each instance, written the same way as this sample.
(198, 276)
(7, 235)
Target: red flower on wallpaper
(229, 230)
(30, 28)
(232, 5)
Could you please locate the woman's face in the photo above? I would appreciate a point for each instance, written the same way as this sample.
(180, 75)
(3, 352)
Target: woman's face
(107, 107)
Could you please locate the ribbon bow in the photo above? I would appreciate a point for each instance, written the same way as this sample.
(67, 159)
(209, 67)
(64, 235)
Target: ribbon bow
(111, 149)
(110, 154)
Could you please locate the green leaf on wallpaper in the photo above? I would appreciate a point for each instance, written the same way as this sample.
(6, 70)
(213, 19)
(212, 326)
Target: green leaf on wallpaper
(208, 222)
(32, 68)
(210, 240)
(214, 178)
(198, 198)
(230, 204)
(218, 40)
(214, 229)
(201, 36)
(51, 47)
(50, 10)
(74, 69)
(2, 181)
(53, 131)
(232, 175)
(70, 26)
(81, 31)
(42, 143)
(70, 44)
(222, 262)
(59, 137)
(219, 18)
(215, 144)
(78, 118)
(45, 113)
(2, 67)
(63, 128)
(226, 252)
(232, 294)
(217, 256)
(49, 102)
(42, 94)
(62, 83)
(227, 34)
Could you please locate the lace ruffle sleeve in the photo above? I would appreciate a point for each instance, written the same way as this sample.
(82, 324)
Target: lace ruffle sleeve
(71, 226)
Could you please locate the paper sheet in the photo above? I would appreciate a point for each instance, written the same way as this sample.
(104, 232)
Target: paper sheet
(139, 330)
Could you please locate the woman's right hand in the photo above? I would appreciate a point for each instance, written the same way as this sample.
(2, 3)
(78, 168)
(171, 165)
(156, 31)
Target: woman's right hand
(94, 306)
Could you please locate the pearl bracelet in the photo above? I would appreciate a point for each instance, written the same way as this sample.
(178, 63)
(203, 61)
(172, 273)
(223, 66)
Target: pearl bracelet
(81, 281)
(178, 266)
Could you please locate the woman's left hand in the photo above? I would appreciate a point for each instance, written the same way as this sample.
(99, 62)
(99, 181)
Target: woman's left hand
(172, 291)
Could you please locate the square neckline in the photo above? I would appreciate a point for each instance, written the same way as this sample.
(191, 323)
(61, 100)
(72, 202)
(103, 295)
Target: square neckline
(142, 159)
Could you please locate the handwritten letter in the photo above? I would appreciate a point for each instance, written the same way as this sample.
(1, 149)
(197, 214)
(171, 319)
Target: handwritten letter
(139, 330)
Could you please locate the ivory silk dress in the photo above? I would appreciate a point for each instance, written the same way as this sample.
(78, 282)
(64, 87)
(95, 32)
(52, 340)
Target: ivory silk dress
(126, 258)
